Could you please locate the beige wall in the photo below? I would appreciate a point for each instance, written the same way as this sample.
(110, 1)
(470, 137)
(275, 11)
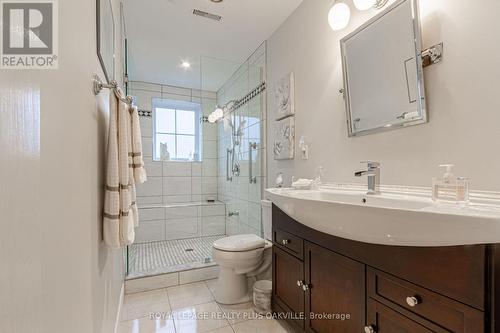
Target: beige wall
(462, 92)
(56, 274)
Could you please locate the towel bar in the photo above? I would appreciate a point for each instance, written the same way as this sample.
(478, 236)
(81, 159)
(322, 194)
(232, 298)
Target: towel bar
(98, 86)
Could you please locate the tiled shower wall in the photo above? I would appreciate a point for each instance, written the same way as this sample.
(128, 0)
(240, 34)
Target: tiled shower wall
(172, 202)
(180, 222)
(239, 194)
(175, 182)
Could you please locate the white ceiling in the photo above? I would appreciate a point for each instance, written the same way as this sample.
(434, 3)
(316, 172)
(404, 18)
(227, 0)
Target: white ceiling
(163, 33)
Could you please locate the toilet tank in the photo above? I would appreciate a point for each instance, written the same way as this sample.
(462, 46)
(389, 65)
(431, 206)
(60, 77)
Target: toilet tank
(267, 217)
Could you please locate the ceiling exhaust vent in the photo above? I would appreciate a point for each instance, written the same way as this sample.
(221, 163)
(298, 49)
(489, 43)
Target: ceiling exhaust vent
(207, 15)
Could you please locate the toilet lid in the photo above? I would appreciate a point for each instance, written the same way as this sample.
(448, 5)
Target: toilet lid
(239, 243)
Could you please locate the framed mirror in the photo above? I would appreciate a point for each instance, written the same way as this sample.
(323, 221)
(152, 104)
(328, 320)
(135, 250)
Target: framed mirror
(106, 38)
(383, 73)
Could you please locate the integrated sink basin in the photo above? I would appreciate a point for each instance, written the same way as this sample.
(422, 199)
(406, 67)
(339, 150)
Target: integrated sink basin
(395, 217)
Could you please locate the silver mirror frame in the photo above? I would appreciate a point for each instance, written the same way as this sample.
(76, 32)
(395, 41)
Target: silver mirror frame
(109, 73)
(420, 73)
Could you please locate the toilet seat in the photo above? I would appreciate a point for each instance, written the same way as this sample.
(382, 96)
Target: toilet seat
(239, 243)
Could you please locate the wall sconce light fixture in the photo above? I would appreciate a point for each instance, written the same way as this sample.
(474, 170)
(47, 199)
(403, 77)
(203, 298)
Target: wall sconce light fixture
(340, 13)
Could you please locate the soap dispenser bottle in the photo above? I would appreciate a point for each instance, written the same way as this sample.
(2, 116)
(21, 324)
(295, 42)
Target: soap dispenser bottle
(450, 188)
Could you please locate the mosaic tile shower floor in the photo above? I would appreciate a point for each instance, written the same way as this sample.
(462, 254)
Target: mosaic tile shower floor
(155, 258)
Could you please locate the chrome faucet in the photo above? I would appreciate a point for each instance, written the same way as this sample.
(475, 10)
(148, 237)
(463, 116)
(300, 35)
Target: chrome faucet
(373, 175)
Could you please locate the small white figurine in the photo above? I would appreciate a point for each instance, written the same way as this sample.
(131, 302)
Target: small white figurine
(164, 154)
(279, 180)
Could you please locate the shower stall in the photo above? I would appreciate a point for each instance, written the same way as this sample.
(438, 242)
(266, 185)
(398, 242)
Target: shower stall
(205, 179)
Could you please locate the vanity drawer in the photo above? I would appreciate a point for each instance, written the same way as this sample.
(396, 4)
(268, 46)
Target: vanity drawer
(291, 243)
(440, 310)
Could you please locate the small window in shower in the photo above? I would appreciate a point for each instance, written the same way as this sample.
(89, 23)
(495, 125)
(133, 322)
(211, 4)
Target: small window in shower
(176, 127)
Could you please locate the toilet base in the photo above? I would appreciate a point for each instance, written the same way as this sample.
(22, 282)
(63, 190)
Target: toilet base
(231, 288)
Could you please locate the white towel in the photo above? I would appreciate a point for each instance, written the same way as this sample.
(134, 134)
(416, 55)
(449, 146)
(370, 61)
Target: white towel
(137, 172)
(124, 157)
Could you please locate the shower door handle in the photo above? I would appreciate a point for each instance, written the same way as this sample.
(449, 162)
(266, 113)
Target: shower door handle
(251, 178)
(228, 177)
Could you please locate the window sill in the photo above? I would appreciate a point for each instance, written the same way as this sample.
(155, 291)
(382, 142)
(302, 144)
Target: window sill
(177, 161)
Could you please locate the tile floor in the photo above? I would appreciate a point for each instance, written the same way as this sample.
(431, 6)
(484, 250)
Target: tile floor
(190, 308)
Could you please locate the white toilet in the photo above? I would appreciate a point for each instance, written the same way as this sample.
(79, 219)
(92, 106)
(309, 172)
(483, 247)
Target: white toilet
(242, 256)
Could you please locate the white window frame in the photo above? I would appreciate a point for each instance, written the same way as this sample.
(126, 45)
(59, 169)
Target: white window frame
(178, 106)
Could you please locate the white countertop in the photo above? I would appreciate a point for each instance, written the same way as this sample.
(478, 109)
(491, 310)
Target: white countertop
(403, 216)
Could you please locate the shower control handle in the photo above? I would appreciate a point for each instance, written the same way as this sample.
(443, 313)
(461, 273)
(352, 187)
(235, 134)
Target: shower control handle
(234, 213)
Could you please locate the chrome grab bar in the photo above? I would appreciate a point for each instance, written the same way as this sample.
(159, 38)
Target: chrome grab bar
(228, 177)
(251, 178)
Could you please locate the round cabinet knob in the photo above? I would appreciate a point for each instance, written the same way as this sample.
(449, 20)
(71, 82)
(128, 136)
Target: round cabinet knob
(285, 241)
(305, 287)
(412, 301)
(300, 283)
(369, 329)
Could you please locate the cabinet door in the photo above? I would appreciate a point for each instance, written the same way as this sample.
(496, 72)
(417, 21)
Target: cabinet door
(288, 273)
(382, 319)
(335, 292)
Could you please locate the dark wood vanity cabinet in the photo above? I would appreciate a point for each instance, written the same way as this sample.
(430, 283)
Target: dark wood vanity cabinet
(322, 283)
(334, 285)
(288, 273)
(383, 319)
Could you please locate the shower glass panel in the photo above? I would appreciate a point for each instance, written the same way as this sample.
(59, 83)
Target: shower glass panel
(188, 203)
(241, 145)
(214, 73)
(172, 235)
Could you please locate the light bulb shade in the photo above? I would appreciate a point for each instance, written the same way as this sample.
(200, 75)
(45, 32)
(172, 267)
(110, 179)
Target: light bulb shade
(212, 118)
(219, 113)
(364, 4)
(339, 16)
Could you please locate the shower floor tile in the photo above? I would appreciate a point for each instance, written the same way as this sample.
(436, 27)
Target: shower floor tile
(170, 256)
